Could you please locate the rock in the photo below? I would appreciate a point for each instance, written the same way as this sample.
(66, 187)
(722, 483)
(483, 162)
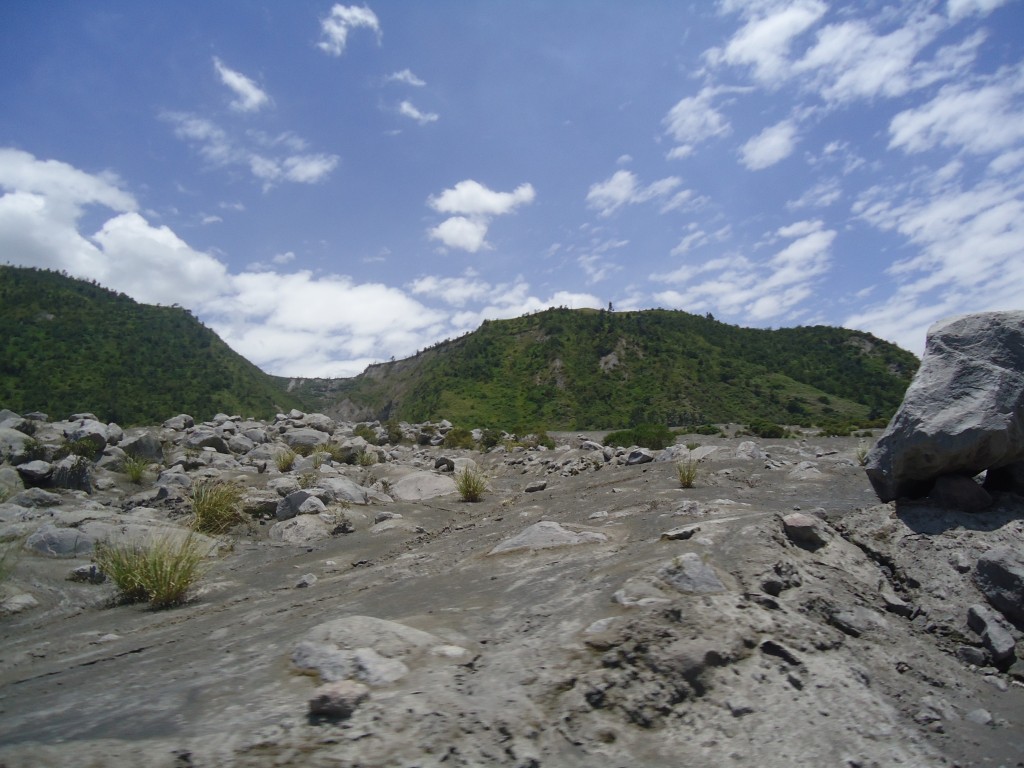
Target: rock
(680, 534)
(301, 530)
(72, 472)
(207, 438)
(444, 464)
(36, 497)
(323, 660)
(376, 670)
(60, 542)
(180, 422)
(979, 716)
(748, 449)
(298, 503)
(13, 444)
(1007, 478)
(418, 486)
(343, 489)
(536, 485)
(306, 580)
(304, 437)
(87, 574)
(964, 410)
(688, 573)
(969, 654)
(994, 631)
(17, 603)
(546, 535)
(803, 530)
(92, 432)
(959, 492)
(999, 575)
(337, 700)
(639, 456)
(35, 472)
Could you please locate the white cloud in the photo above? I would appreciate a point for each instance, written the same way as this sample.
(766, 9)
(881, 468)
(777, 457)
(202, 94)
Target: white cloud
(455, 291)
(283, 258)
(764, 41)
(623, 188)
(769, 147)
(967, 244)
(754, 291)
(980, 120)
(821, 195)
(262, 156)
(407, 77)
(474, 205)
(461, 232)
(61, 183)
(249, 96)
(407, 109)
(958, 9)
(341, 20)
(596, 267)
(474, 199)
(693, 120)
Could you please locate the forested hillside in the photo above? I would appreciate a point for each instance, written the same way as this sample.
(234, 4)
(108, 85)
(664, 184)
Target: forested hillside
(586, 369)
(67, 345)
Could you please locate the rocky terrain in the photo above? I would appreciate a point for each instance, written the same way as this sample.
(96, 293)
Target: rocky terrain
(589, 610)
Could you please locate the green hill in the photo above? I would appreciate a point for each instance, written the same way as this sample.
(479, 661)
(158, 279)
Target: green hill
(587, 369)
(67, 345)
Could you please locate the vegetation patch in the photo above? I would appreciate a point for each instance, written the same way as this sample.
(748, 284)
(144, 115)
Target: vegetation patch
(160, 572)
(687, 472)
(653, 436)
(285, 459)
(135, 467)
(471, 484)
(216, 506)
(458, 437)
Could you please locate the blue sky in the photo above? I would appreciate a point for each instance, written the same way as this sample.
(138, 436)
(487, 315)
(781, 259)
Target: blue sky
(329, 185)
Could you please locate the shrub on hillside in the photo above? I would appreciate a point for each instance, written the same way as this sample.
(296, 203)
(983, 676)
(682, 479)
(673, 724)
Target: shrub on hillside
(767, 429)
(458, 437)
(653, 436)
(365, 431)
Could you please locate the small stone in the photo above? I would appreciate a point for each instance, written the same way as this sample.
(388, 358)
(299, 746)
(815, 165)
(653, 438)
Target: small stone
(680, 534)
(979, 716)
(17, 604)
(337, 700)
(88, 574)
(993, 630)
(307, 580)
(970, 654)
(688, 573)
(803, 530)
(536, 485)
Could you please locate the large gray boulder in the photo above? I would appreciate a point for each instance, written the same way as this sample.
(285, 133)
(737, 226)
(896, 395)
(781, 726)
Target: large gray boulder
(963, 412)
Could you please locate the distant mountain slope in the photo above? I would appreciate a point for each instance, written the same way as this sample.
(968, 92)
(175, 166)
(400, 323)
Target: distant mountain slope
(67, 345)
(586, 369)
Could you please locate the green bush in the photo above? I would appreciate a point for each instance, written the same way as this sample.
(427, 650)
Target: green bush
(160, 572)
(458, 437)
(394, 431)
(216, 506)
(653, 436)
(490, 438)
(365, 431)
(767, 429)
(84, 448)
(707, 429)
(367, 458)
(470, 484)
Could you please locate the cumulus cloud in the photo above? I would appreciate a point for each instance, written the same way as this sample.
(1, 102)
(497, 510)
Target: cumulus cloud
(473, 206)
(248, 96)
(769, 147)
(340, 21)
(958, 9)
(623, 188)
(407, 109)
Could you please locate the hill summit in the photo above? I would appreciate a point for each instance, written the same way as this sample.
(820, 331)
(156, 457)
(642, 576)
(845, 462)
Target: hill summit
(589, 369)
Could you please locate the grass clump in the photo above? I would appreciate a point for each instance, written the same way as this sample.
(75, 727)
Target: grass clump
(160, 572)
(687, 472)
(470, 484)
(366, 458)
(365, 431)
(135, 467)
(285, 459)
(216, 506)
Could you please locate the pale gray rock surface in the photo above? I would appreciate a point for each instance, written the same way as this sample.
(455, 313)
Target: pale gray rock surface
(547, 534)
(964, 410)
